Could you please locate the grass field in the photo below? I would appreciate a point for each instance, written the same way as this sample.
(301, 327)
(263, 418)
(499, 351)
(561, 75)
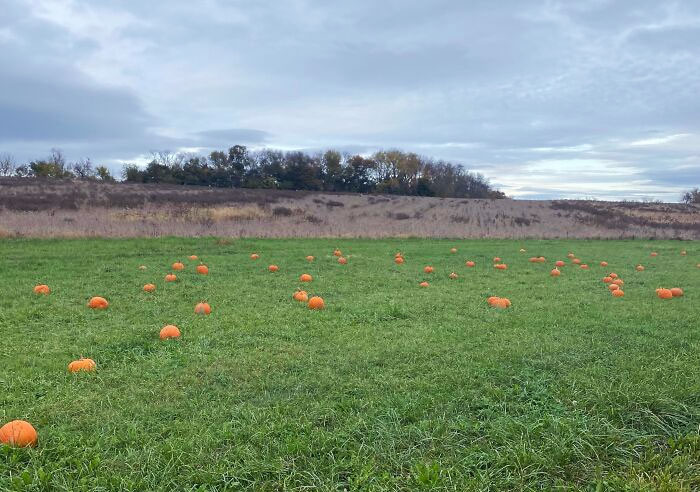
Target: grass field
(391, 387)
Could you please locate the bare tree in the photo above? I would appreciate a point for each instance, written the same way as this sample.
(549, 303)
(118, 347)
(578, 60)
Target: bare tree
(7, 164)
(83, 169)
(692, 196)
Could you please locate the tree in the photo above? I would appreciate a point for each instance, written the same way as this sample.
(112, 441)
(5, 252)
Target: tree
(52, 167)
(132, 173)
(103, 174)
(7, 165)
(83, 169)
(691, 196)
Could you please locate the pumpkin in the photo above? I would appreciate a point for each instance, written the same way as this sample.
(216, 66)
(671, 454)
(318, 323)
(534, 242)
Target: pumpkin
(491, 300)
(202, 308)
(570, 255)
(98, 303)
(337, 252)
(555, 272)
(618, 281)
(613, 287)
(316, 302)
(453, 250)
(19, 434)
(254, 256)
(178, 266)
(305, 277)
(309, 258)
(498, 302)
(203, 269)
(617, 293)
(169, 331)
(537, 259)
(193, 257)
(149, 288)
(399, 260)
(42, 289)
(452, 275)
(470, 264)
(496, 259)
(576, 261)
(171, 277)
(676, 292)
(584, 266)
(603, 263)
(664, 293)
(654, 253)
(428, 269)
(533, 260)
(607, 280)
(424, 284)
(273, 268)
(82, 364)
(684, 252)
(396, 255)
(559, 264)
(639, 268)
(500, 266)
(612, 275)
(342, 260)
(300, 296)
(142, 267)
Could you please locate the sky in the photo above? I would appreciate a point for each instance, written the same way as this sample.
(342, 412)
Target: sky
(548, 99)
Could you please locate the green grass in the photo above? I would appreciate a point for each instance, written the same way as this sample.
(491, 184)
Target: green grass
(391, 387)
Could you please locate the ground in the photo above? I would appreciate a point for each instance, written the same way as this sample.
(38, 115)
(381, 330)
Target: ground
(391, 387)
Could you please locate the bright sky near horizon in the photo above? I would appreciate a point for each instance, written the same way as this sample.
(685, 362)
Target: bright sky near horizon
(547, 98)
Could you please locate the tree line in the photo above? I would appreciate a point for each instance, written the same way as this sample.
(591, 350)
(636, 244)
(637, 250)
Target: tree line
(54, 166)
(392, 171)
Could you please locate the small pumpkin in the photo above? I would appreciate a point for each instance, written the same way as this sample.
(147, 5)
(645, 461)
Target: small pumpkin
(684, 252)
(453, 250)
(178, 265)
(618, 281)
(453, 275)
(423, 284)
(617, 293)
(193, 257)
(676, 292)
(555, 272)
(342, 260)
(273, 268)
(98, 303)
(496, 259)
(500, 266)
(305, 277)
(399, 260)
(337, 252)
(612, 275)
(499, 302)
(42, 289)
(664, 293)
(203, 269)
(639, 268)
(470, 264)
(654, 253)
(584, 266)
(316, 302)
(576, 261)
(559, 264)
(607, 280)
(254, 256)
(171, 277)
(612, 287)
(202, 308)
(149, 288)
(310, 258)
(82, 364)
(169, 331)
(142, 267)
(300, 296)
(18, 434)
(603, 263)
(428, 269)
(522, 250)
(570, 255)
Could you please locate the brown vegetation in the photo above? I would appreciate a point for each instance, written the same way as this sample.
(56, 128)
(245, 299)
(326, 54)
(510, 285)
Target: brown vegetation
(55, 208)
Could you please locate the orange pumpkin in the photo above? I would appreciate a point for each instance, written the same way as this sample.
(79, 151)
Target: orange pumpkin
(337, 252)
(202, 308)
(618, 281)
(453, 250)
(428, 269)
(617, 293)
(613, 287)
(149, 288)
(603, 263)
(254, 256)
(342, 260)
(316, 302)
(305, 277)
(576, 261)
(496, 259)
(498, 302)
(98, 303)
(491, 300)
(639, 268)
(309, 258)
(82, 364)
(399, 260)
(664, 293)
(555, 272)
(424, 284)
(300, 296)
(584, 266)
(396, 255)
(470, 264)
(193, 257)
(169, 331)
(452, 275)
(612, 275)
(273, 268)
(607, 280)
(559, 264)
(42, 289)
(203, 269)
(178, 266)
(654, 253)
(171, 277)
(676, 292)
(19, 434)
(500, 266)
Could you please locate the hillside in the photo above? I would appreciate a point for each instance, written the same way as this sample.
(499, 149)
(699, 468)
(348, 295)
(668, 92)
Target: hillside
(56, 208)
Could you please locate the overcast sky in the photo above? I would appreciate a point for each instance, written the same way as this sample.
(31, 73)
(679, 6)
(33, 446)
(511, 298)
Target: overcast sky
(546, 98)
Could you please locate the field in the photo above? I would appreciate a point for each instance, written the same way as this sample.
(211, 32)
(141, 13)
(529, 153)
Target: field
(390, 387)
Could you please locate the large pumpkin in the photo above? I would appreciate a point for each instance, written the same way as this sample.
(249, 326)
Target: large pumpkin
(617, 293)
(149, 288)
(42, 289)
(664, 293)
(19, 434)
(169, 331)
(171, 277)
(82, 364)
(178, 265)
(316, 303)
(300, 296)
(202, 308)
(203, 269)
(305, 277)
(98, 303)
(676, 292)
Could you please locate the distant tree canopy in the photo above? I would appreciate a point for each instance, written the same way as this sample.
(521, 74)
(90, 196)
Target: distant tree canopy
(692, 196)
(392, 172)
(54, 166)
